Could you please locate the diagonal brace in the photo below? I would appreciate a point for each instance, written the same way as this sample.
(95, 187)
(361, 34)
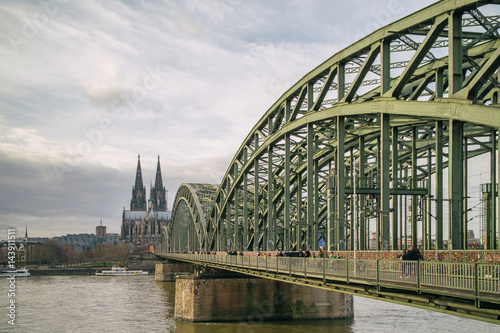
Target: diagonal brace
(482, 76)
(419, 55)
(362, 73)
(325, 88)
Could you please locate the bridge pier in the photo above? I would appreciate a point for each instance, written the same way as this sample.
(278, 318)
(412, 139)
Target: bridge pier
(166, 271)
(234, 297)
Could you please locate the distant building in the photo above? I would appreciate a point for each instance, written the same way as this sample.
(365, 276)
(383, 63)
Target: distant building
(112, 239)
(470, 234)
(100, 230)
(77, 242)
(19, 256)
(141, 225)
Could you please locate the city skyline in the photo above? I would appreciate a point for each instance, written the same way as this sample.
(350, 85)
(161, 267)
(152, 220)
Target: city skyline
(88, 86)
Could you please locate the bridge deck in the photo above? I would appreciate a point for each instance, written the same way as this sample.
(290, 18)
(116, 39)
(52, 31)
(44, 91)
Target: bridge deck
(466, 289)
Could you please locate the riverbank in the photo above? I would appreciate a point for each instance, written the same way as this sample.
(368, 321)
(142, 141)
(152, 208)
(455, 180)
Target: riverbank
(64, 271)
(78, 271)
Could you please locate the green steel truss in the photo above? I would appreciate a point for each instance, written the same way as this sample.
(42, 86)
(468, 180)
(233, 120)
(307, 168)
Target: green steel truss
(403, 108)
(192, 206)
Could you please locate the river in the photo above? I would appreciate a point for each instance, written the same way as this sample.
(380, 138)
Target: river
(135, 304)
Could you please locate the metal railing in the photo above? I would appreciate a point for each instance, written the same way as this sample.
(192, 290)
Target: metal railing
(475, 278)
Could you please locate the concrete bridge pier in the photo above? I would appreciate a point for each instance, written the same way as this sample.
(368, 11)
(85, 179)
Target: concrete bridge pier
(233, 297)
(167, 270)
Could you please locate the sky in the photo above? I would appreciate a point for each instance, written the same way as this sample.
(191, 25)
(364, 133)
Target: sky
(87, 86)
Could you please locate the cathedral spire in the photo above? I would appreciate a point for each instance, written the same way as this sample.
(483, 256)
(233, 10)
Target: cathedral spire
(138, 174)
(158, 180)
(158, 194)
(138, 201)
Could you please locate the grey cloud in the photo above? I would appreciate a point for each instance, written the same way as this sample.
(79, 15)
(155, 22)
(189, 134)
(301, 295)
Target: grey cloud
(29, 186)
(225, 63)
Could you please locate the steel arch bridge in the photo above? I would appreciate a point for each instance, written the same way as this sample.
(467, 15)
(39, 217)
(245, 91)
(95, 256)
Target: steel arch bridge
(380, 137)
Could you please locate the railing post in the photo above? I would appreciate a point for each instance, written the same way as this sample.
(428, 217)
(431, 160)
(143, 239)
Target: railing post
(266, 262)
(476, 279)
(378, 273)
(324, 275)
(305, 267)
(277, 266)
(289, 266)
(347, 271)
(418, 275)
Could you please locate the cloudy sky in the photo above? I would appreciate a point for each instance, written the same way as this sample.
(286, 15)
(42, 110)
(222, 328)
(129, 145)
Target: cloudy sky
(86, 86)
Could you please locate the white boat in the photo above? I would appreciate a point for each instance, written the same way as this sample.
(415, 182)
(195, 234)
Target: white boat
(15, 272)
(120, 271)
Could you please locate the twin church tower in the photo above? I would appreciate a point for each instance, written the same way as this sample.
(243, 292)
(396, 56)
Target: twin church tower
(141, 225)
(157, 197)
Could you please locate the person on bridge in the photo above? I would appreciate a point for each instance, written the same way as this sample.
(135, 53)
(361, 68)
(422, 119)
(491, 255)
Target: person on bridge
(404, 268)
(413, 254)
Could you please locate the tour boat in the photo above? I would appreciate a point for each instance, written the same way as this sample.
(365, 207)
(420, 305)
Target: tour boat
(15, 272)
(120, 271)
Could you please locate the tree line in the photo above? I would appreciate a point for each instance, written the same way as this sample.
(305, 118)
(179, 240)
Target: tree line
(50, 252)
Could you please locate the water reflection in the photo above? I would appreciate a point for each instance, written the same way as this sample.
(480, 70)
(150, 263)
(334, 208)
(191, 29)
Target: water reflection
(296, 326)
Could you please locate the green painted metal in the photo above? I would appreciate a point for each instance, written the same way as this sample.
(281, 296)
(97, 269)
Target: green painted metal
(456, 187)
(269, 235)
(490, 228)
(414, 185)
(310, 236)
(385, 168)
(287, 230)
(340, 186)
(455, 51)
(395, 198)
(439, 184)
(427, 232)
(400, 124)
(363, 234)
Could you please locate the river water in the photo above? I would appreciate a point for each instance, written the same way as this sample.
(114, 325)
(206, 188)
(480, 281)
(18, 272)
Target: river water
(139, 304)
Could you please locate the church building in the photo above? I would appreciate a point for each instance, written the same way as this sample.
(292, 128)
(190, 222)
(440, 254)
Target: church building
(141, 225)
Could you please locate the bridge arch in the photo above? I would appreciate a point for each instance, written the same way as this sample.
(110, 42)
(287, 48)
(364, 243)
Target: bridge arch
(191, 206)
(392, 117)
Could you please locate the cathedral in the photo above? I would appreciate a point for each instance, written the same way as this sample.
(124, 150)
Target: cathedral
(141, 225)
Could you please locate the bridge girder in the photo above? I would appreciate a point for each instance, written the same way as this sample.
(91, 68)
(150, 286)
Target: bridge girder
(397, 123)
